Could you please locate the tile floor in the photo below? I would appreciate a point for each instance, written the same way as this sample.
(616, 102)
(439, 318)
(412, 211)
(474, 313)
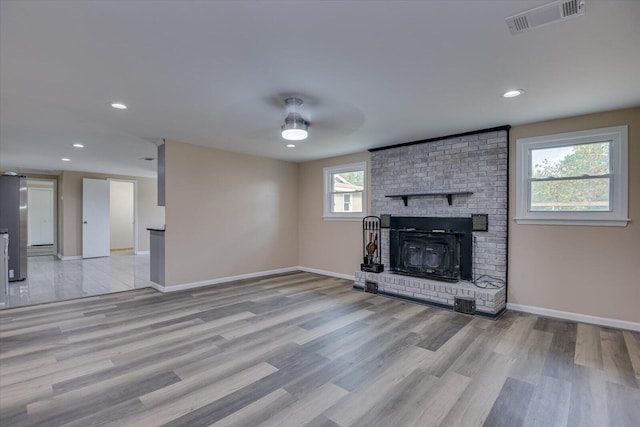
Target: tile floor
(49, 279)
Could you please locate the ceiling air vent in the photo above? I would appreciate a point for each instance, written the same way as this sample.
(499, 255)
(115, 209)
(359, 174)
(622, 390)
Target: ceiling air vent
(545, 14)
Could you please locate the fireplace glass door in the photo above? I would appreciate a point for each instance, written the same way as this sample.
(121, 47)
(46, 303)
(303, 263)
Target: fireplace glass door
(428, 254)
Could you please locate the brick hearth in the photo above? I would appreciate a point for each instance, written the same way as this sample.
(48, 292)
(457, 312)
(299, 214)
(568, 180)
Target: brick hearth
(489, 302)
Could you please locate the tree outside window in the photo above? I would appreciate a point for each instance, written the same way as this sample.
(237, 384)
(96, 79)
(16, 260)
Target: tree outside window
(571, 178)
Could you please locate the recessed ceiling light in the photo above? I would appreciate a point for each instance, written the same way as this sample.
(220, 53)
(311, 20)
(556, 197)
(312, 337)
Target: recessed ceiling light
(119, 106)
(64, 159)
(78, 145)
(513, 93)
(291, 145)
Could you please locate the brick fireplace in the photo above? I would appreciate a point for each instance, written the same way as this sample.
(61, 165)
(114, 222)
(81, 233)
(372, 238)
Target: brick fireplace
(445, 179)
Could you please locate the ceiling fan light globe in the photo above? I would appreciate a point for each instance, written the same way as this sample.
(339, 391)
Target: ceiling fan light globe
(294, 134)
(294, 129)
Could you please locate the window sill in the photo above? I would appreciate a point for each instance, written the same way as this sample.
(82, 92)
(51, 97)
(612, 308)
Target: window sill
(587, 222)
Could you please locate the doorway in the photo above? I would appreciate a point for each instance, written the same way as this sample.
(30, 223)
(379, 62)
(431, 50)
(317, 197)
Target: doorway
(109, 215)
(41, 217)
(122, 207)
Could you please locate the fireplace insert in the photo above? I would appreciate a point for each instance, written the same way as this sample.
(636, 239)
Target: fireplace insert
(430, 247)
(433, 254)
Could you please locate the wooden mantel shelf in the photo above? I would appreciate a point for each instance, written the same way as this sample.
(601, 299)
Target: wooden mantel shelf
(447, 194)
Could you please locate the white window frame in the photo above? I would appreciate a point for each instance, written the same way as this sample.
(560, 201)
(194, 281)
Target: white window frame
(344, 216)
(619, 155)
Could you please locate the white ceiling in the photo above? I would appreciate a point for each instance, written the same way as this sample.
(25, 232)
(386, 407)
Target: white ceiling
(215, 73)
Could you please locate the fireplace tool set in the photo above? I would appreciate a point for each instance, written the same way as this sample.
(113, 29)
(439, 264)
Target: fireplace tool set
(371, 245)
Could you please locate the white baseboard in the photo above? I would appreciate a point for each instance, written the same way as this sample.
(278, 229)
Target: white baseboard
(158, 287)
(68, 258)
(576, 317)
(192, 285)
(327, 273)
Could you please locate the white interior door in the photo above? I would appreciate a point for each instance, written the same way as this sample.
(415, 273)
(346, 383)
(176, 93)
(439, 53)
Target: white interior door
(95, 218)
(40, 216)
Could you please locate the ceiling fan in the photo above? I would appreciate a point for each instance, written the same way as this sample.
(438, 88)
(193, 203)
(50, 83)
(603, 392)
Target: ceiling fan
(313, 118)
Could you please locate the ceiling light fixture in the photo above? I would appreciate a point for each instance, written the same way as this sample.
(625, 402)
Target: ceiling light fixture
(291, 145)
(119, 106)
(513, 93)
(78, 145)
(64, 159)
(294, 127)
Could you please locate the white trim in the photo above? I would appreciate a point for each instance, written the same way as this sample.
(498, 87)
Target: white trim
(68, 258)
(193, 285)
(353, 218)
(559, 221)
(617, 216)
(158, 287)
(327, 273)
(203, 283)
(577, 317)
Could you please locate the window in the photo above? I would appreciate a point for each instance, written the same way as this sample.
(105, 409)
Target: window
(576, 178)
(346, 200)
(345, 191)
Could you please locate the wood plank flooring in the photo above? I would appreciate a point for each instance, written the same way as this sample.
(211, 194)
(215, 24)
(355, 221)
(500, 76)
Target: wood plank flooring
(303, 349)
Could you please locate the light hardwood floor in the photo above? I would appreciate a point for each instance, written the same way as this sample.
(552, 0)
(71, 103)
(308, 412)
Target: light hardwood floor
(302, 349)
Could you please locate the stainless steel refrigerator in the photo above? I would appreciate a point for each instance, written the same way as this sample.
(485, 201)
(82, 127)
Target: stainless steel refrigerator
(13, 217)
(4, 278)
